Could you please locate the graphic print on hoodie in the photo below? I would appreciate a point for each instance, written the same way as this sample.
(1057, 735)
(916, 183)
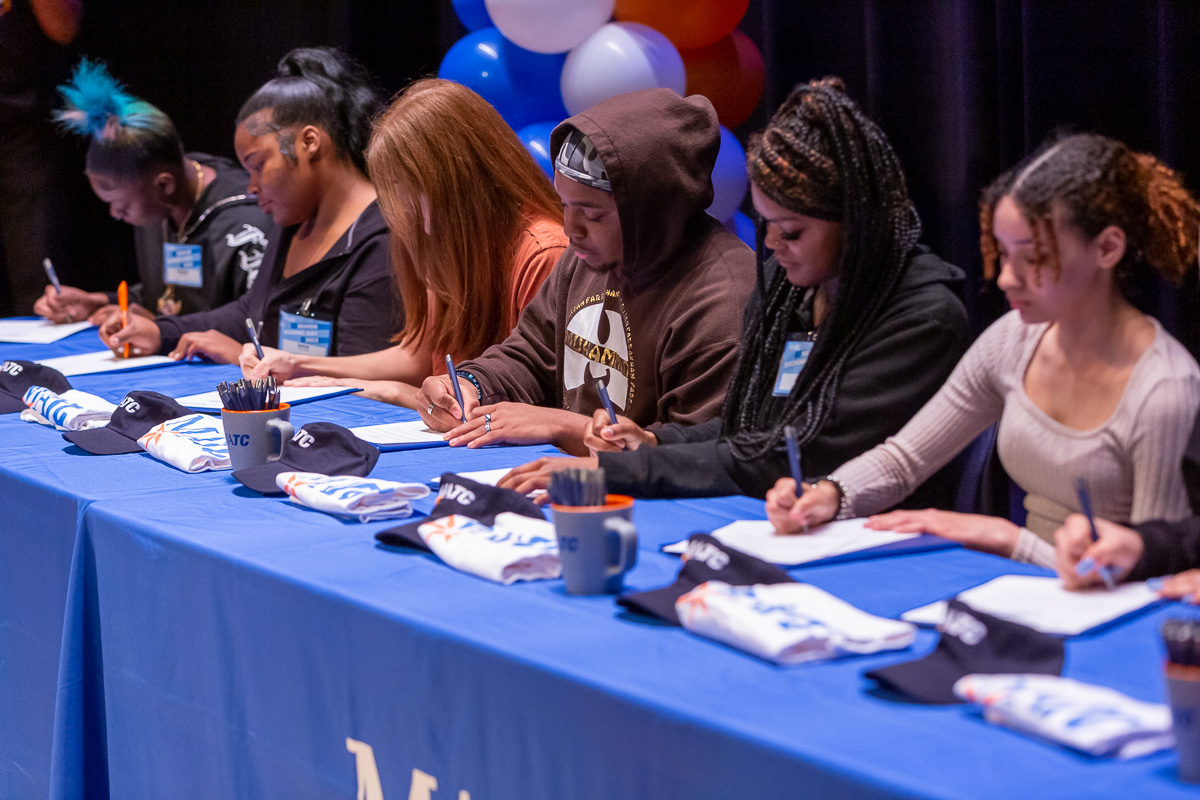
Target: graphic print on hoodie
(662, 329)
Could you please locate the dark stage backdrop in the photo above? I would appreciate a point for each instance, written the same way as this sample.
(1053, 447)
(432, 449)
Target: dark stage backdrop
(962, 88)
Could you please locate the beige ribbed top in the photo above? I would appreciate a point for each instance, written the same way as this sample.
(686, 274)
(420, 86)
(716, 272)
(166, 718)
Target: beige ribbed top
(1131, 462)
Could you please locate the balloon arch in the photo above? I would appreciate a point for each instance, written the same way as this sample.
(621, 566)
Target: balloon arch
(539, 61)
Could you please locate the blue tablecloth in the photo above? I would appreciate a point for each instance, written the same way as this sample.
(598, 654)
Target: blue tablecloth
(176, 635)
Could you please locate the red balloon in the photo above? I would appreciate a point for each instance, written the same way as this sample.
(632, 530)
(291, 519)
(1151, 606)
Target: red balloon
(687, 23)
(730, 74)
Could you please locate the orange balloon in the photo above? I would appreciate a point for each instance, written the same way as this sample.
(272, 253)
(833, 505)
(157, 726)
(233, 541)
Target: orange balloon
(687, 23)
(730, 74)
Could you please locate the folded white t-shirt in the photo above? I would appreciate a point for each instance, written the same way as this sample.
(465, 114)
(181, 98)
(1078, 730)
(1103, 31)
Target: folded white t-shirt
(515, 548)
(363, 499)
(72, 410)
(194, 443)
(787, 623)
(1092, 719)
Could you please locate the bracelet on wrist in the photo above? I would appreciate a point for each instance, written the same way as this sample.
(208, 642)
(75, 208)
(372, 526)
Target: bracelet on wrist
(462, 373)
(845, 508)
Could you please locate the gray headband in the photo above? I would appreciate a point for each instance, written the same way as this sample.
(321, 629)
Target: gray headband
(577, 159)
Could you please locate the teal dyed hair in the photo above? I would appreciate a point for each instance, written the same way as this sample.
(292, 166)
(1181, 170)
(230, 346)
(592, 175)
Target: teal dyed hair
(129, 137)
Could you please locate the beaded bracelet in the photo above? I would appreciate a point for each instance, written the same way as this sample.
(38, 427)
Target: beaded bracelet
(462, 373)
(845, 502)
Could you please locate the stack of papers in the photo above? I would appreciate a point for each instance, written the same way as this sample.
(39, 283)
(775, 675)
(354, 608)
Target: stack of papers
(757, 538)
(102, 361)
(38, 331)
(411, 435)
(1043, 604)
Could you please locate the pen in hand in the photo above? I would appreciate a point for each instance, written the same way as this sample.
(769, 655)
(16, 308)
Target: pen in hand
(454, 382)
(1085, 505)
(789, 435)
(52, 276)
(254, 338)
(607, 401)
(123, 302)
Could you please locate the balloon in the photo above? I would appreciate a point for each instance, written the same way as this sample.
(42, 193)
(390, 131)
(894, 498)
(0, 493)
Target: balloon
(549, 26)
(522, 86)
(473, 14)
(730, 74)
(687, 23)
(742, 226)
(728, 177)
(536, 138)
(620, 57)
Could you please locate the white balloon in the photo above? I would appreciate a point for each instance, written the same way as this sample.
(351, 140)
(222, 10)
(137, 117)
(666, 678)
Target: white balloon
(548, 26)
(620, 57)
(729, 177)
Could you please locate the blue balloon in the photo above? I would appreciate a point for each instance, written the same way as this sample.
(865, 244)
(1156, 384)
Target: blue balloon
(536, 138)
(743, 227)
(473, 14)
(522, 85)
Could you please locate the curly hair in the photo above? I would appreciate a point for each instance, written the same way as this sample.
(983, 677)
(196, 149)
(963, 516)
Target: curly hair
(1098, 182)
(820, 156)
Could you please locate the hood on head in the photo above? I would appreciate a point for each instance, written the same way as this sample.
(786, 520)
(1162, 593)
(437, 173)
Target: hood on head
(659, 150)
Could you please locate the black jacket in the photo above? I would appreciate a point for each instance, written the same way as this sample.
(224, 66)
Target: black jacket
(351, 285)
(1172, 547)
(232, 233)
(895, 369)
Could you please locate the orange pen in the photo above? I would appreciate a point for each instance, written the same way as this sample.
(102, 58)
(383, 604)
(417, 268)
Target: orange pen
(123, 302)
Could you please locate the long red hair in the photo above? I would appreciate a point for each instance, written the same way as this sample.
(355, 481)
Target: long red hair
(442, 158)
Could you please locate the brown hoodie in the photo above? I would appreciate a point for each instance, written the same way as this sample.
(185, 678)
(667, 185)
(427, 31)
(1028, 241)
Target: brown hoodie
(663, 329)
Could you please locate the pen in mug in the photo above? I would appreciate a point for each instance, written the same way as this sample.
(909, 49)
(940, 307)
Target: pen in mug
(454, 382)
(607, 401)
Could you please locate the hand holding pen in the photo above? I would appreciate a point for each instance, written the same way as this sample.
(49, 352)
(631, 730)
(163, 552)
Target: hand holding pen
(52, 276)
(1088, 564)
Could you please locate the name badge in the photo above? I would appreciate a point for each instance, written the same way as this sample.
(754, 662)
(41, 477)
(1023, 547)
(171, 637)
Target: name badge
(304, 336)
(795, 356)
(183, 265)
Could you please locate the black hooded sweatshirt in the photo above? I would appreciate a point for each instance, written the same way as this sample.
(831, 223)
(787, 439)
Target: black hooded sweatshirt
(896, 368)
(662, 328)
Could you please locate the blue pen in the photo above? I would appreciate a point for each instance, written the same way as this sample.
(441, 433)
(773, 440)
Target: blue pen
(607, 401)
(454, 382)
(1085, 505)
(789, 436)
(254, 338)
(52, 276)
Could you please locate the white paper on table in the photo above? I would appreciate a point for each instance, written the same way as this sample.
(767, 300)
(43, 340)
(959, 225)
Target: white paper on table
(38, 331)
(390, 433)
(757, 538)
(210, 402)
(102, 361)
(1043, 604)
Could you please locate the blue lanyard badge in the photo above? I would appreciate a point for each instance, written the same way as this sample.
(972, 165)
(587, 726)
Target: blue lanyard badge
(795, 356)
(183, 265)
(304, 336)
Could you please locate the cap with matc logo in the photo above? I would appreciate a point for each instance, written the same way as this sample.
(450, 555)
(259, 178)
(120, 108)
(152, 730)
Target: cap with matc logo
(463, 496)
(972, 642)
(705, 559)
(136, 414)
(17, 376)
(321, 447)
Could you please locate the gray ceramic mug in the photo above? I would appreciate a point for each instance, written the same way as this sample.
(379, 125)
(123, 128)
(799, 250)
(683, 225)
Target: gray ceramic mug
(256, 437)
(597, 545)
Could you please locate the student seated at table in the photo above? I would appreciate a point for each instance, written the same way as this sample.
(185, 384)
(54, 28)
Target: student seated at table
(1082, 383)
(199, 237)
(852, 326)
(472, 218)
(325, 284)
(647, 298)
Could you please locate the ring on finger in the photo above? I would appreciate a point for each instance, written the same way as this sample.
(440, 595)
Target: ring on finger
(487, 423)
(429, 410)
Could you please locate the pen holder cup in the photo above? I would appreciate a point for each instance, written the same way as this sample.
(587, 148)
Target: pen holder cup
(256, 437)
(1183, 689)
(597, 545)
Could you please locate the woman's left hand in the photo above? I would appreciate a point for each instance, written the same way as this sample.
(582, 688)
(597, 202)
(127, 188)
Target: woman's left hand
(976, 531)
(511, 423)
(536, 474)
(1185, 586)
(211, 344)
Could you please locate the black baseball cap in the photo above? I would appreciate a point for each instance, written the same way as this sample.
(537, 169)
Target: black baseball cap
(317, 447)
(705, 559)
(972, 642)
(136, 414)
(459, 495)
(17, 376)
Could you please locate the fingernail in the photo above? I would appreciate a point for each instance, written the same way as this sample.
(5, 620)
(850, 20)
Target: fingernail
(1085, 566)
(1188, 598)
(1155, 584)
